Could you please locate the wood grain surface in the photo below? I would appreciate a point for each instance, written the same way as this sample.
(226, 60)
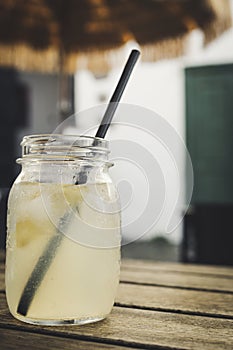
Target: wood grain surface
(177, 279)
(13, 339)
(131, 327)
(173, 300)
(158, 306)
(178, 267)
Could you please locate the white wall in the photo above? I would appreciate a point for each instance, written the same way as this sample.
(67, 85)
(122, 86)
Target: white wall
(158, 87)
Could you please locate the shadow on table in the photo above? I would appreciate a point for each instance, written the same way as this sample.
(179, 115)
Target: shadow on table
(158, 248)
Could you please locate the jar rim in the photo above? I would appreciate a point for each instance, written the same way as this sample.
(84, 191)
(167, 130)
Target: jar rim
(62, 146)
(52, 137)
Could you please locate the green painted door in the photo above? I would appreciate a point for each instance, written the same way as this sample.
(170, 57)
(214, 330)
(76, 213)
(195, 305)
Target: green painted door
(209, 118)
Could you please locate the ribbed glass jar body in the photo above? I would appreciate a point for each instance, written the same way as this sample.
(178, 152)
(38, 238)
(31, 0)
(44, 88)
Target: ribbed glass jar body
(63, 240)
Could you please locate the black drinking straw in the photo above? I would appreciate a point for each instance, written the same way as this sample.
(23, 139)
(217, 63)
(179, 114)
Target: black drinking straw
(47, 256)
(115, 99)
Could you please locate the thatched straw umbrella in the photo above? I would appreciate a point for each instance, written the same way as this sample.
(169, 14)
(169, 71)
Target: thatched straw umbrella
(64, 35)
(53, 35)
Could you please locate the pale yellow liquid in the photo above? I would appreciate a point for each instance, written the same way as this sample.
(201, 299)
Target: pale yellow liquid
(81, 281)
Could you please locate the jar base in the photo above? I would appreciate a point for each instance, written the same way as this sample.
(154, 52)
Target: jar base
(61, 322)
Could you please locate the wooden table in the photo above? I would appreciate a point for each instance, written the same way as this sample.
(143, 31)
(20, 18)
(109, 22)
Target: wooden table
(158, 306)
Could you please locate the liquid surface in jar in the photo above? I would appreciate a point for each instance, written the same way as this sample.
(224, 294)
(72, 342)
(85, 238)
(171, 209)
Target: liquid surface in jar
(82, 276)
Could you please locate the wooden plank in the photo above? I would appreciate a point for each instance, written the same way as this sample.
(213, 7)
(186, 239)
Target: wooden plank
(171, 299)
(177, 279)
(15, 339)
(142, 328)
(174, 300)
(178, 267)
(165, 278)
(164, 266)
(3, 304)
(138, 274)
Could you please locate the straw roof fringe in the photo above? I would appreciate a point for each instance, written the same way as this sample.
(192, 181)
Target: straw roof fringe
(221, 22)
(24, 57)
(100, 62)
(100, 57)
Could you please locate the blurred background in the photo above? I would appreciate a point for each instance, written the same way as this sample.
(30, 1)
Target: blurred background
(61, 57)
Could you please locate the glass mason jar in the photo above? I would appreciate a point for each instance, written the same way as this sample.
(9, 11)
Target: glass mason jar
(63, 240)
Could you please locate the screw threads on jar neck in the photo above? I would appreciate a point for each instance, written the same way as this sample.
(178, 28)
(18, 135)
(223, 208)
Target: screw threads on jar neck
(64, 147)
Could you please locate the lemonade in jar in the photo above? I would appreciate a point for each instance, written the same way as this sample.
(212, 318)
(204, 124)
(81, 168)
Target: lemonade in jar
(63, 240)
